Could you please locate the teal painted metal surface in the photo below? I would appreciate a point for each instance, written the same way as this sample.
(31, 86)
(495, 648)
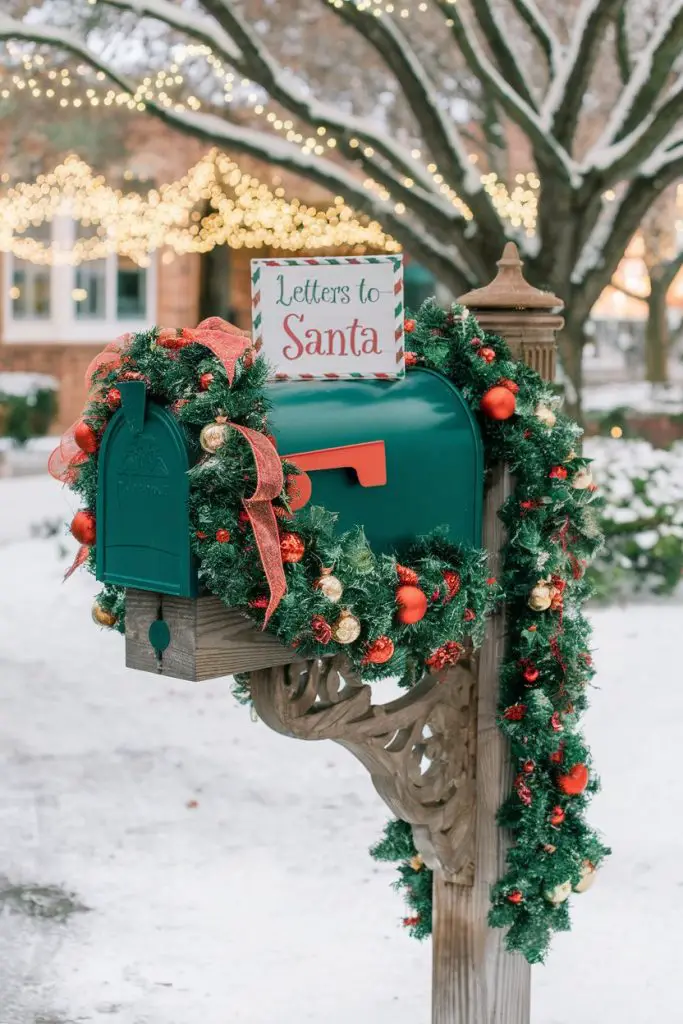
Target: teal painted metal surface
(434, 455)
(143, 499)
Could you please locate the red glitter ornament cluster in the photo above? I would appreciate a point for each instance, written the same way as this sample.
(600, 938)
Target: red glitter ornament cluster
(449, 653)
(292, 547)
(406, 575)
(515, 713)
(379, 651)
(322, 630)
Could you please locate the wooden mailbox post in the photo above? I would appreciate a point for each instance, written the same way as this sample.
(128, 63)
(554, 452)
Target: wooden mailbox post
(448, 721)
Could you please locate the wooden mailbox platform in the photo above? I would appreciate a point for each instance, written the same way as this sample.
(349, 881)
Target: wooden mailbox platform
(448, 720)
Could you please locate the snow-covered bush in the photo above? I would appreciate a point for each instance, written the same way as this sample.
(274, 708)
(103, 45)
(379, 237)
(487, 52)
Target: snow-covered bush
(28, 403)
(643, 516)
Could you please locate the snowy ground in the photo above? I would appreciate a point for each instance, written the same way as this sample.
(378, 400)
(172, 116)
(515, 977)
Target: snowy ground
(260, 904)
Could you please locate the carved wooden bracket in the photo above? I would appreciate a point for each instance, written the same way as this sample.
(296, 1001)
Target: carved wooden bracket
(420, 749)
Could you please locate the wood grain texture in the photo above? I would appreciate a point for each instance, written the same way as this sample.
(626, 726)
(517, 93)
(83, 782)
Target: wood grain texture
(475, 980)
(208, 640)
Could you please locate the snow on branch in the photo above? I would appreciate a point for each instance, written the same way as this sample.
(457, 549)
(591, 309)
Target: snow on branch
(540, 29)
(203, 30)
(623, 157)
(649, 76)
(543, 143)
(567, 89)
(495, 34)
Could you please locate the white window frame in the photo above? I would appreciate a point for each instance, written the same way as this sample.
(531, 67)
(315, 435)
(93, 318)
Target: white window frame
(62, 326)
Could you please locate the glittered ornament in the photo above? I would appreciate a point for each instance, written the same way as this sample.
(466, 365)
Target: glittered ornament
(329, 586)
(222, 536)
(171, 338)
(498, 403)
(411, 922)
(113, 398)
(83, 527)
(379, 651)
(406, 575)
(292, 547)
(487, 354)
(259, 602)
(557, 756)
(515, 713)
(558, 473)
(213, 435)
(545, 415)
(102, 616)
(515, 897)
(85, 437)
(409, 326)
(559, 893)
(412, 604)
(511, 385)
(322, 630)
(411, 358)
(540, 597)
(573, 782)
(205, 381)
(557, 816)
(582, 480)
(588, 876)
(448, 654)
(452, 581)
(347, 628)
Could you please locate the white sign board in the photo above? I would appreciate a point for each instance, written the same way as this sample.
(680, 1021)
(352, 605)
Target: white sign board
(330, 318)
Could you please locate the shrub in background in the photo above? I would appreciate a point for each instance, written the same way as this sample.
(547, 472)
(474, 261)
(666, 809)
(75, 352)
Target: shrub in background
(28, 405)
(642, 518)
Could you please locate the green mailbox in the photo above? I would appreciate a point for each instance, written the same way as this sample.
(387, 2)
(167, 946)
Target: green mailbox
(398, 457)
(143, 538)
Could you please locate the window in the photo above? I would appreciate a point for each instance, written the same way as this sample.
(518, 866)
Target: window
(30, 283)
(92, 302)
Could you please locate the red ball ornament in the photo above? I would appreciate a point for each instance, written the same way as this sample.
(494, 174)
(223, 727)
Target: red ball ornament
(575, 780)
(83, 527)
(515, 897)
(558, 473)
(379, 651)
(487, 354)
(291, 547)
(531, 674)
(113, 398)
(498, 403)
(200, 535)
(557, 816)
(412, 604)
(409, 326)
(222, 536)
(528, 767)
(205, 381)
(85, 437)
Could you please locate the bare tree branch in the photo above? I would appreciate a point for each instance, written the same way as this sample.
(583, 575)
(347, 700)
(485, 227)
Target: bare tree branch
(621, 46)
(540, 29)
(568, 89)
(546, 148)
(495, 33)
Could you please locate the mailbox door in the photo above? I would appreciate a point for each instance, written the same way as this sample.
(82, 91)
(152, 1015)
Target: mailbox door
(432, 444)
(143, 504)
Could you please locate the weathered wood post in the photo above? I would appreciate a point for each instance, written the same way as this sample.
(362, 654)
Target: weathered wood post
(475, 981)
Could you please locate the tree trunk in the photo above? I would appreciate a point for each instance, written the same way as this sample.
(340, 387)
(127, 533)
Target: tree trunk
(570, 342)
(657, 337)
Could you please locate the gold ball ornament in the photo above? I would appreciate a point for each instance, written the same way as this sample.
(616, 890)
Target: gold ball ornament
(346, 629)
(588, 876)
(330, 586)
(559, 894)
(103, 617)
(213, 435)
(582, 480)
(541, 597)
(545, 415)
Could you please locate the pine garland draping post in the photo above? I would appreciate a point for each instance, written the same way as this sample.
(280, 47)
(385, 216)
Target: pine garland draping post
(475, 978)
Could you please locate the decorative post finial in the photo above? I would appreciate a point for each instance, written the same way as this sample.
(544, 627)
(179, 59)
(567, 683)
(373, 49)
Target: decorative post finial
(525, 316)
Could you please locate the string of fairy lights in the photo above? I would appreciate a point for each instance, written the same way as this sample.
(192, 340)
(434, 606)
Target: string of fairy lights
(517, 206)
(242, 212)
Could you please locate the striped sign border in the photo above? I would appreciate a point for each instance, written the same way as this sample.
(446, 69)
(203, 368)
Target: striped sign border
(317, 261)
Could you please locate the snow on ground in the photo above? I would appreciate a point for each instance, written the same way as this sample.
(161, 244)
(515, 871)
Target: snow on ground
(260, 904)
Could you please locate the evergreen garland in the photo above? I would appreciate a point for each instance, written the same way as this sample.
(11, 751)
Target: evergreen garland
(552, 535)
